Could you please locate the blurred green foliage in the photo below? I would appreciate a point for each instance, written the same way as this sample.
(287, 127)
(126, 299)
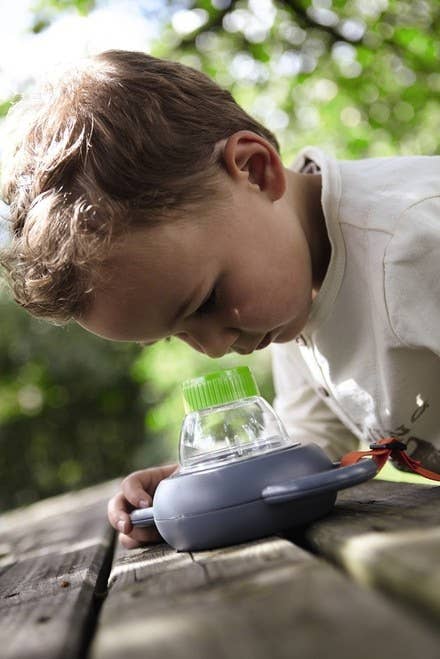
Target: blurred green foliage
(359, 78)
(70, 413)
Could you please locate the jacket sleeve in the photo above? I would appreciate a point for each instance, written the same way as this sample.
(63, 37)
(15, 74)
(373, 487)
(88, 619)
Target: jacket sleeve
(412, 276)
(306, 416)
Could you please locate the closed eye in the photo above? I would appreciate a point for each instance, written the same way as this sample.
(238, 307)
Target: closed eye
(209, 303)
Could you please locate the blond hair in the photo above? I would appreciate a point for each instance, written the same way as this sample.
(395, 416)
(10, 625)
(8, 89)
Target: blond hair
(121, 140)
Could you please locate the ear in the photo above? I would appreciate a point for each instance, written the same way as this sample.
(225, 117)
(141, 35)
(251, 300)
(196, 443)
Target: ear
(250, 158)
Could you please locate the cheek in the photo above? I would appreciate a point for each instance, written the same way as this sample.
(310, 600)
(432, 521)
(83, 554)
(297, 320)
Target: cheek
(300, 294)
(254, 310)
(262, 298)
(290, 296)
(241, 301)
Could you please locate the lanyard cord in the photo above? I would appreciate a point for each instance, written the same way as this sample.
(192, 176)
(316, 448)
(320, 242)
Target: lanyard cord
(385, 448)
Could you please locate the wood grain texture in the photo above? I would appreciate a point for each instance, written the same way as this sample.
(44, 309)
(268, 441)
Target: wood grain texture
(263, 599)
(268, 598)
(386, 536)
(52, 554)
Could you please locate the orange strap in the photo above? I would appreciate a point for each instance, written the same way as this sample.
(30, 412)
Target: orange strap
(385, 448)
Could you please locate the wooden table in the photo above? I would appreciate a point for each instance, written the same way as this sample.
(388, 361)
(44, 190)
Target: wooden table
(361, 583)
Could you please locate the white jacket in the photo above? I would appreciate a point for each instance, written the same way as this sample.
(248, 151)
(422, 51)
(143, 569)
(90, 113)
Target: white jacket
(367, 364)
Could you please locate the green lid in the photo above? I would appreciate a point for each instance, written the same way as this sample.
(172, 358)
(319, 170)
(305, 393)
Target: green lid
(219, 388)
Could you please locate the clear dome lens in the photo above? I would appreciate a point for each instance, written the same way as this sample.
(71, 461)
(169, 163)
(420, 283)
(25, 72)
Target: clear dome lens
(226, 433)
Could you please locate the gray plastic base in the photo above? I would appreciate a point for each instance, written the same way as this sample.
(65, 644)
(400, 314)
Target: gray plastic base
(242, 523)
(248, 499)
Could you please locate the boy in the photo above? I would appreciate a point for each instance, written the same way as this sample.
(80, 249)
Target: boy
(145, 203)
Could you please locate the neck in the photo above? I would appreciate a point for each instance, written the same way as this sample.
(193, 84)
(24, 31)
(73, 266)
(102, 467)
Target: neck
(304, 197)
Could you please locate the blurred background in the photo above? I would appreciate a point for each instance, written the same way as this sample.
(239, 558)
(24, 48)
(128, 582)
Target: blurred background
(358, 78)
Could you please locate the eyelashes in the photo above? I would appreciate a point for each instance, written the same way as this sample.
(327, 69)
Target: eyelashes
(209, 303)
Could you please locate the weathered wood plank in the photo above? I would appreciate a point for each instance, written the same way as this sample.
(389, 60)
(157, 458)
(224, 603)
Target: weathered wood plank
(52, 555)
(263, 599)
(386, 536)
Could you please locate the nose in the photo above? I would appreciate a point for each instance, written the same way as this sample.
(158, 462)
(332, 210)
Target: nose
(213, 341)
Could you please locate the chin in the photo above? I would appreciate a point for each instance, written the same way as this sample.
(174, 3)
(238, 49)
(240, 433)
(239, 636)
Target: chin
(284, 339)
(289, 334)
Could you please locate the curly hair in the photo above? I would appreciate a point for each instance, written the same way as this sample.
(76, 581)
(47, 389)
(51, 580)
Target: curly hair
(119, 141)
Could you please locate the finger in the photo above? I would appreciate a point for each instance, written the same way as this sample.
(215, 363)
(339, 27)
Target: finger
(128, 542)
(118, 509)
(146, 534)
(120, 520)
(150, 478)
(140, 486)
(139, 538)
(135, 492)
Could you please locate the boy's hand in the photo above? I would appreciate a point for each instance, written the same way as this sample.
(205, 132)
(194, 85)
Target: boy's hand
(137, 492)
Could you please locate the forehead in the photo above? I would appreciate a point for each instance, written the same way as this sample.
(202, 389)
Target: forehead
(147, 275)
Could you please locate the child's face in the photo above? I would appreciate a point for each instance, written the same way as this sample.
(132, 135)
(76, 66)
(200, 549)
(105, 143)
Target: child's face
(232, 280)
